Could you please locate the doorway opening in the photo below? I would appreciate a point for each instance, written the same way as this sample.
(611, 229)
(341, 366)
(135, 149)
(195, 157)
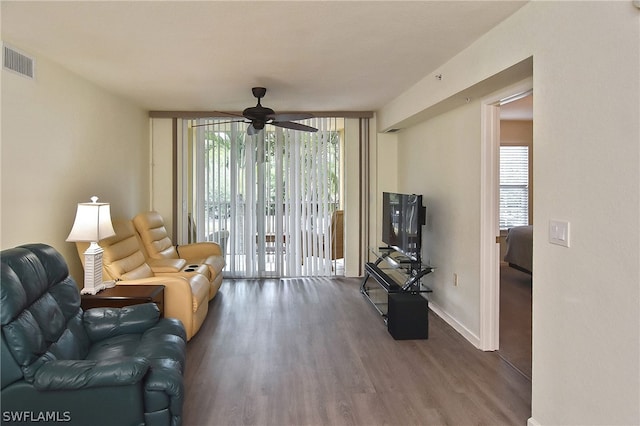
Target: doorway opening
(490, 255)
(516, 232)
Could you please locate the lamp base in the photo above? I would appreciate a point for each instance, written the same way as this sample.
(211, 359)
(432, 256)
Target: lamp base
(93, 290)
(93, 270)
(98, 288)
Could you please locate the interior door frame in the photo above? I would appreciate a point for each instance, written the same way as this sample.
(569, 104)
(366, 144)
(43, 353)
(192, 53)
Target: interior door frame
(490, 211)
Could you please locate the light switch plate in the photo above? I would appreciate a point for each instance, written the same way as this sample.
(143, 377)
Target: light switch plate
(559, 232)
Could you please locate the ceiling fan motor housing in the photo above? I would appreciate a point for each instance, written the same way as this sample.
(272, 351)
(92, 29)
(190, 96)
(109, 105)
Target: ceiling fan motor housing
(259, 92)
(258, 113)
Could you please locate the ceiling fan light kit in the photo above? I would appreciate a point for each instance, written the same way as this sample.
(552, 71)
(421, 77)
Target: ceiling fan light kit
(258, 116)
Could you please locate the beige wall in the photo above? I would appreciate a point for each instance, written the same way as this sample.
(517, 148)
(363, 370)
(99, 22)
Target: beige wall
(586, 63)
(64, 140)
(440, 159)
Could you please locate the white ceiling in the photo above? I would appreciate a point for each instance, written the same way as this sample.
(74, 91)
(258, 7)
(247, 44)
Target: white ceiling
(206, 55)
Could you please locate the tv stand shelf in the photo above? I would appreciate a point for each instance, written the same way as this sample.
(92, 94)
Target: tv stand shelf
(397, 294)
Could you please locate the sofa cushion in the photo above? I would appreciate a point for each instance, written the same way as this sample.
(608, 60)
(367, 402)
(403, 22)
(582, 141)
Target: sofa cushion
(124, 260)
(154, 235)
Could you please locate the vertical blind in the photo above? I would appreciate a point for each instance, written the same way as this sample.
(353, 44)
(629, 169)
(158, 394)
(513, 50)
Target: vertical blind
(267, 198)
(514, 186)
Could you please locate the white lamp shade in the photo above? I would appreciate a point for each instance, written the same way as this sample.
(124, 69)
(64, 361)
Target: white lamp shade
(92, 223)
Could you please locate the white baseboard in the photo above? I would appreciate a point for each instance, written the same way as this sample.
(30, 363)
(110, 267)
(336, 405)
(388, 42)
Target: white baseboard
(532, 422)
(464, 331)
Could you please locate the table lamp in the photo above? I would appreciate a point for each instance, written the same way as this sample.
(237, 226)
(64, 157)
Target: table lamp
(92, 224)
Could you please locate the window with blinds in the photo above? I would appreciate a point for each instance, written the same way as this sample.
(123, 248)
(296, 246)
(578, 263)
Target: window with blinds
(514, 186)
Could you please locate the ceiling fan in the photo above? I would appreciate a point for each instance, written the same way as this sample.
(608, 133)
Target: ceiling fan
(259, 115)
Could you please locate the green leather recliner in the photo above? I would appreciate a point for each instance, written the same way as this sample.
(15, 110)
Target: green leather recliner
(63, 365)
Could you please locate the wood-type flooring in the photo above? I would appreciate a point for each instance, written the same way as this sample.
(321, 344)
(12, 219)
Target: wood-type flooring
(312, 351)
(515, 318)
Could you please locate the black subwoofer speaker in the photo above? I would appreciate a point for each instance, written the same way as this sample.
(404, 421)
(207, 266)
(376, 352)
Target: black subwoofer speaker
(407, 317)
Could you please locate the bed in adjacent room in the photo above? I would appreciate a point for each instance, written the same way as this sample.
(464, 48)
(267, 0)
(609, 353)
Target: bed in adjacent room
(519, 253)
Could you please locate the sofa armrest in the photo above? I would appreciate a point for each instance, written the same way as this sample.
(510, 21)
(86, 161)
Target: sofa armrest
(79, 374)
(101, 323)
(162, 383)
(178, 297)
(199, 250)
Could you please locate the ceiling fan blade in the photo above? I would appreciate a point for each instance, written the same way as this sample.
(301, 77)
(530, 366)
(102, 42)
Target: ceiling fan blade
(230, 114)
(290, 116)
(294, 126)
(218, 122)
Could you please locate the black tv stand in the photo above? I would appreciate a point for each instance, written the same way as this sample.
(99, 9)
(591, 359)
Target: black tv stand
(396, 255)
(398, 293)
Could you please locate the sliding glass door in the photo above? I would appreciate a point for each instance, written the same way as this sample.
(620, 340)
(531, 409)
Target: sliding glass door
(269, 199)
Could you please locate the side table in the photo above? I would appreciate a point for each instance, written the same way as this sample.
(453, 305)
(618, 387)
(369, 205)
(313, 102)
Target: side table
(125, 295)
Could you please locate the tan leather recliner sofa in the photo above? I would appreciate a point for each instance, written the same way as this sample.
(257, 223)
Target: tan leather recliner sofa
(186, 295)
(161, 251)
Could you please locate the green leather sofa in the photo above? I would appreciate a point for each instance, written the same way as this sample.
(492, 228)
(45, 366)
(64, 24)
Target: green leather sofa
(62, 365)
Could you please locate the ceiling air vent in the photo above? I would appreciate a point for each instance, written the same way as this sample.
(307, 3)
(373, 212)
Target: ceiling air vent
(17, 62)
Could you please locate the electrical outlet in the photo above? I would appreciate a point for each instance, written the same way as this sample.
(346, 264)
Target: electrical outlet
(455, 279)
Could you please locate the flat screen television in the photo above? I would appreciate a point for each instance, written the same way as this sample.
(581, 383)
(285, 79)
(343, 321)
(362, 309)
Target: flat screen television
(402, 218)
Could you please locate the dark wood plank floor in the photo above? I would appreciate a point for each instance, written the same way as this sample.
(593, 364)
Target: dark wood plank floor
(515, 318)
(314, 352)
